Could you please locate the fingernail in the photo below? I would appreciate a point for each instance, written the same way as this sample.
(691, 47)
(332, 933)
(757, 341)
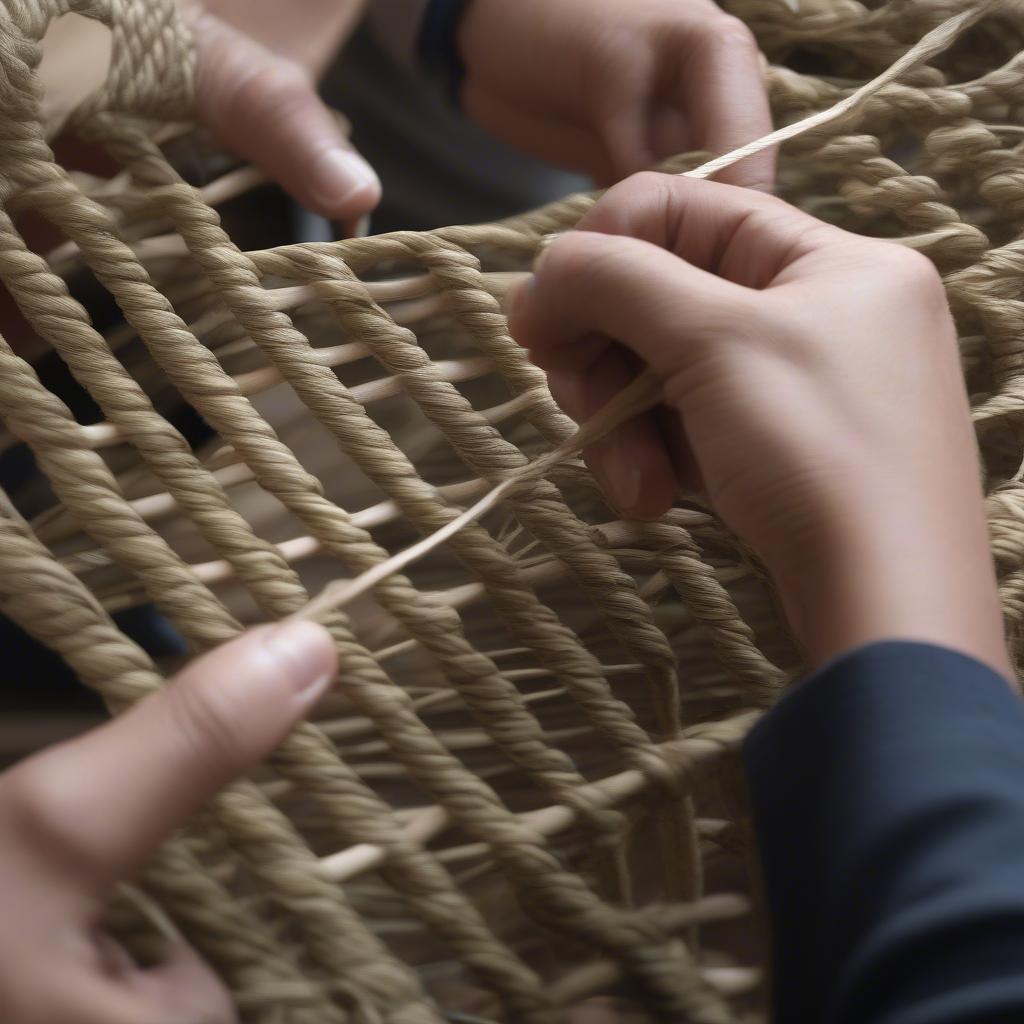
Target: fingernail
(567, 390)
(305, 653)
(339, 174)
(542, 250)
(626, 478)
(627, 491)
(516, 295)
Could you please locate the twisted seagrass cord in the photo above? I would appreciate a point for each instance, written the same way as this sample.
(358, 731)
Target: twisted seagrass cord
(524, 793)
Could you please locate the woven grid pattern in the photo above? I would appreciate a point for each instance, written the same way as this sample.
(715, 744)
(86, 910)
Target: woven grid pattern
(524, 793)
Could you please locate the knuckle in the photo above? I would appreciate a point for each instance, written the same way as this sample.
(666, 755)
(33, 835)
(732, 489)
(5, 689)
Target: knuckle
(729, 32)
(607, 257)
(583, 260)
(772, 218)
(204, 726)
(909, 269)
(777, 207)
(639, 184)
(568, 254)
(645, 184)
(276, 90)
(638, 195)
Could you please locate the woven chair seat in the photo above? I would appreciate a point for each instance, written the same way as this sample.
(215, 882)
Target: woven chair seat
(524, 793)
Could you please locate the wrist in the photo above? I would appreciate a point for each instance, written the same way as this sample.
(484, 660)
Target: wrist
(438, 44)
(887, 575)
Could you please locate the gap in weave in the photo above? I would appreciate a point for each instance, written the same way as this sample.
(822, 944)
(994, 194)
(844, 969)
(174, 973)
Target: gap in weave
(483, 630)
(119, 454)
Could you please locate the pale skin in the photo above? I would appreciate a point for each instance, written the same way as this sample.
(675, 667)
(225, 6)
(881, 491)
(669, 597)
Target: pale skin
(811, 381)
(613, 88)
(256, 91)
(80, 817)
(608, 94)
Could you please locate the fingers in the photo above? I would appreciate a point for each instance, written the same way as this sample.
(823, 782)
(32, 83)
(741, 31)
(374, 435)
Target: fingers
(310, 33)
(589, 289)
(631, 464)
(266, 108)
(723, 94)
(743, 236)
(95, 808)
(594, 293)
(673, 313)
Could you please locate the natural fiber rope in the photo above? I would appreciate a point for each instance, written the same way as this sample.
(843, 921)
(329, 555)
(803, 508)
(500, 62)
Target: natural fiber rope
(530, 757)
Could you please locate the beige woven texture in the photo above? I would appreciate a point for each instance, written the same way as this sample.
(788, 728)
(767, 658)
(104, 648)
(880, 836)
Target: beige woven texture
(524, 792)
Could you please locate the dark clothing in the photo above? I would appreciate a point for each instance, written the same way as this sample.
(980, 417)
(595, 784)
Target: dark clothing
(888, 797)
(438, 167)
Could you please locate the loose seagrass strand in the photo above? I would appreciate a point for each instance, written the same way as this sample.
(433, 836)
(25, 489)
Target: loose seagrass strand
(177, 352)
(328, 778)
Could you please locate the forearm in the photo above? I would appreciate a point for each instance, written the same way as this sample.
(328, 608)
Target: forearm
(895, 543)
(889, 809)
(889, 571)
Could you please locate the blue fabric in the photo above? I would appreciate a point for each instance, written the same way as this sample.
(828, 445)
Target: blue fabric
(888, 799)
(438, 43)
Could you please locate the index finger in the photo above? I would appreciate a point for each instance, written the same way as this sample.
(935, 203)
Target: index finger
(667, 266)
(93, 809)
(742, 235)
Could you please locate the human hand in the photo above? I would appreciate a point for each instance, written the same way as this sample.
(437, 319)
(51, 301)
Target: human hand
(814, 392)
(262, 103)
(609, 89)
(78, 818)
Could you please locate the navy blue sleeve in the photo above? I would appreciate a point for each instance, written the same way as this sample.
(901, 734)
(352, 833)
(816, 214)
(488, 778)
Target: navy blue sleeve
(438, 43)
(888, 801)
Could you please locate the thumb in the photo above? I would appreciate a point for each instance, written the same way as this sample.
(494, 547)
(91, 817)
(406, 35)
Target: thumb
(266, 108)
(105, 801)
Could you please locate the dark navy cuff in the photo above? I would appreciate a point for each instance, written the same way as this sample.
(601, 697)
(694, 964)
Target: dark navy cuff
(889, 679)
(437, 45)
(887, 792)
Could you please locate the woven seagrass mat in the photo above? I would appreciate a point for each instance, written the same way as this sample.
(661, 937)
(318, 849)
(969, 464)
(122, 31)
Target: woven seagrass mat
(524, 794)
